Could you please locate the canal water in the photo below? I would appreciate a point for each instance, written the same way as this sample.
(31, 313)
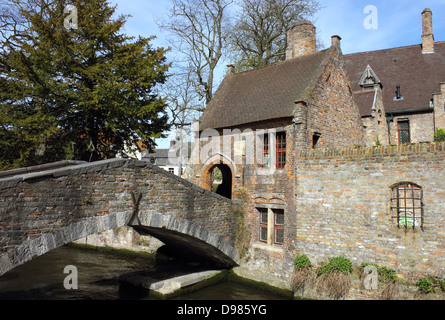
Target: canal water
(98, 278)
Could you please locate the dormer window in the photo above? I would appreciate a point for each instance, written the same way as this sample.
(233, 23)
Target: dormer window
(369, 78)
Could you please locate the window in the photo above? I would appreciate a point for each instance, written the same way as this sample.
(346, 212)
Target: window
(404, 131)
(266, 152)
(407, 205)
(278, 226)
(171, 170)
(369, 78)
(280, 151)
(315, 138)
(263, 224)
(271, 226)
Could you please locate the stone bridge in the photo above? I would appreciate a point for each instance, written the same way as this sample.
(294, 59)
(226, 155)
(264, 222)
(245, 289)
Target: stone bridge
(48, 206)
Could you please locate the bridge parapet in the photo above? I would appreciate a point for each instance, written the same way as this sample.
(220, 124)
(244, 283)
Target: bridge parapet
(43, 210)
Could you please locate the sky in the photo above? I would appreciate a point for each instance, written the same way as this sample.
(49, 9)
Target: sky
(363, 25)
(399, 22)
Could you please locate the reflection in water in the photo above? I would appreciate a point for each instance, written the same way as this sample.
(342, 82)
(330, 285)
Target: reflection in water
(231, 291)
(42, 278)
(98, 278)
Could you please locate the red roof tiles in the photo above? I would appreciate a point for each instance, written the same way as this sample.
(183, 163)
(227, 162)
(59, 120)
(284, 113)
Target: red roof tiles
(417, 74)
(266, 93)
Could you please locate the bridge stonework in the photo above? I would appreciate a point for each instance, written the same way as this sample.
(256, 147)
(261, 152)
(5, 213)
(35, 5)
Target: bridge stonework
(41, 211)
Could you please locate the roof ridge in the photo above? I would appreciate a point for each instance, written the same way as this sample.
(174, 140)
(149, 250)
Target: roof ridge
(387, 49)
(279, 63)
(271, 93)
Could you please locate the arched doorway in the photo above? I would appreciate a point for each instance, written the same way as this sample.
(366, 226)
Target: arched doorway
(220, 177)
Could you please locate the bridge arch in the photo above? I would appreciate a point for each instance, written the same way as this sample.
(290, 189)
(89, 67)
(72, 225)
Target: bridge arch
(183, 235)
(46, 210)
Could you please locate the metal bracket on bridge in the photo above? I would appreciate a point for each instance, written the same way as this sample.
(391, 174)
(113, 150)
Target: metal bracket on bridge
(136, 203)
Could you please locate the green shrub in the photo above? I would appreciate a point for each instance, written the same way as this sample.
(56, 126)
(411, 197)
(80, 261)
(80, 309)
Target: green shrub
(302, 272)
(340, 264)
(442, 285)
(365, 264)
(439, 135)
(430, 284)
(385, 273)
(426, 285)
(302, 262)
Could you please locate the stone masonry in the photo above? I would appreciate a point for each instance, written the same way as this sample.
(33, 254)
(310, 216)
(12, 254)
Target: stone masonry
(40, 211)
(338, 204)
(301, 40)
(343, 206)
(439, 107)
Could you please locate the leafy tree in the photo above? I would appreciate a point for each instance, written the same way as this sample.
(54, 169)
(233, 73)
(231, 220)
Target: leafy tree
(75, 90)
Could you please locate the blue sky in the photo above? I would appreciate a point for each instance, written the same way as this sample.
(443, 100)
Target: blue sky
(399, 23)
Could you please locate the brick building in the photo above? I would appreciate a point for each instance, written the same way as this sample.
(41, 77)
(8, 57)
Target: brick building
(400, 91)
(256, 122)
(259, 122)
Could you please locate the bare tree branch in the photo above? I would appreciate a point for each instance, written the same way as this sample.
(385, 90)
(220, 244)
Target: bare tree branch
(182, 99)
(260, 35)
(200, 30)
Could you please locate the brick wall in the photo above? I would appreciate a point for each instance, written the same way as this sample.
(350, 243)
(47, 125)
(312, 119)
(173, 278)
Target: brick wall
(343, 206)
(44, 210)
(376, 124)
(421, 127)
(331, 111)
(439, 107)
(338, 204)
(301, 40)
(427, 34)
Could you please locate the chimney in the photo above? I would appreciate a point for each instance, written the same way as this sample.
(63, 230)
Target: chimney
(301, 40)
(230, 69)
(335, 41)
(427, 36)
